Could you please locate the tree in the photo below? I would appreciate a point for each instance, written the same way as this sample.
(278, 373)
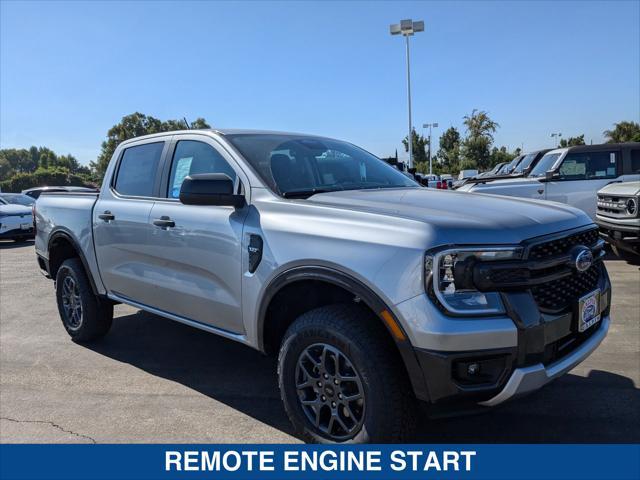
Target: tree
(448, 156)
(477, 145)
(572, 141)
(135, 125)
(501, 155)
(480, 125)
(623, 132)
(419, 145)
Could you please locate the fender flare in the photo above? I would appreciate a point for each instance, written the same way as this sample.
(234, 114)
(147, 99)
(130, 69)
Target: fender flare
(360, 290)
(63, 233)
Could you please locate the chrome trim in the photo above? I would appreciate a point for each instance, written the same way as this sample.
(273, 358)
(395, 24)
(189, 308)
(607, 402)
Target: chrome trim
(528, 379)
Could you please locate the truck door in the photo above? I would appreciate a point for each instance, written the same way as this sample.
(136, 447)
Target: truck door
(121, 221)
(196, 250)
(581, 175)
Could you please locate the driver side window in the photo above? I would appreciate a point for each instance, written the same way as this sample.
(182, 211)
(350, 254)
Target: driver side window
(192, 157)
(589, 166)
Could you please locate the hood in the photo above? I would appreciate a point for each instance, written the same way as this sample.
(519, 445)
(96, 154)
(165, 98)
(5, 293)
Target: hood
(501, 184)
(12, 209)
(622, 189)
(463, 218)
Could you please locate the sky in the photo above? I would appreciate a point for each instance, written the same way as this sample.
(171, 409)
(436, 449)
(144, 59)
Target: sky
(71, 70)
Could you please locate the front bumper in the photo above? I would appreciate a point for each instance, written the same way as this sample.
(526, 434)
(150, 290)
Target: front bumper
(622, 236)
(528, 379)
(536, 340)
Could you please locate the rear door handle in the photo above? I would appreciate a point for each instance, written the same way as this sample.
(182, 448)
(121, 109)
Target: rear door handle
(107, 216)
(164, 222)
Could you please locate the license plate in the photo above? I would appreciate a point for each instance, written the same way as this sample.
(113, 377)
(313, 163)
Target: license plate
(25, 226)
(589, 310)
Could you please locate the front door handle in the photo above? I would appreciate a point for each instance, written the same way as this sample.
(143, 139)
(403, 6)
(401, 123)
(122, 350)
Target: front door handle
(107, 216)
(164, 222)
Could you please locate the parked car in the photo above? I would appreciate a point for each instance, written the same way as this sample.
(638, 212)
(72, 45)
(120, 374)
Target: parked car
(528, 162)
(520, 166)
(493, 171)
(16, 218)
(571, 175)
(37, 191)
(463, 176)
(618, 217)
(373, 291)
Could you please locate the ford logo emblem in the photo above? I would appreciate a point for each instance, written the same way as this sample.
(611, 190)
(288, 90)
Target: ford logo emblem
(583, 259)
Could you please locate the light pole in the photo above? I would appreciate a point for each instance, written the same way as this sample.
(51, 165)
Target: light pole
(407, 28)
(557, 144)
(429, 125)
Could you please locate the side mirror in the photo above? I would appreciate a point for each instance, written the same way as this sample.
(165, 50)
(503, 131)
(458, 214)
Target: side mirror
(210, 189)
(550, 175)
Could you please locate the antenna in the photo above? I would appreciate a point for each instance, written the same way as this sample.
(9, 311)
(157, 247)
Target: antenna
(187, 123)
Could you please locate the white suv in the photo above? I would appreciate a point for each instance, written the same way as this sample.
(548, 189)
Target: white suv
(571, 175)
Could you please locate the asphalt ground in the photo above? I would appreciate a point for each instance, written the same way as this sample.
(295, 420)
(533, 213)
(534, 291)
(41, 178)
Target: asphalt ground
(153, 380)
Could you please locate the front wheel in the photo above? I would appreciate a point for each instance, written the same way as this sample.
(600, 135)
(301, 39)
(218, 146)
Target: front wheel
(85, 316)
(341, 379)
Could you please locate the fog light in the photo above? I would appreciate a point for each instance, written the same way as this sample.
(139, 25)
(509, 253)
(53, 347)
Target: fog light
(473, 368)
(479, 371)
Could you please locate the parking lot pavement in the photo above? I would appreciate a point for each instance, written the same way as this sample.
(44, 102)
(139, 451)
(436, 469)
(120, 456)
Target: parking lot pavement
(154, 380)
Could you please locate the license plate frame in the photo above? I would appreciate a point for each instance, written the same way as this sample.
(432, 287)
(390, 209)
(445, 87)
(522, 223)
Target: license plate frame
(589, 310)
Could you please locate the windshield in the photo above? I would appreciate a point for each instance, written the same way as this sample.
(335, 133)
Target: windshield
(512, 164)
(298, 166)
(525, 162)
(545, 163)
(17, 199)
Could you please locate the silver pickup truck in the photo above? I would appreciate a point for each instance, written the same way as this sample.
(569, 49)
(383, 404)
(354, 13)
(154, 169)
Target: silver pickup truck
(372, 290)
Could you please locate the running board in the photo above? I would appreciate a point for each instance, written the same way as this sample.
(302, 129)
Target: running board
(177, 318)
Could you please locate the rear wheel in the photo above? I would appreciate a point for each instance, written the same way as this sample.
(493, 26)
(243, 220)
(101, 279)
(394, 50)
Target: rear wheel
(85, 316)
(341, 379)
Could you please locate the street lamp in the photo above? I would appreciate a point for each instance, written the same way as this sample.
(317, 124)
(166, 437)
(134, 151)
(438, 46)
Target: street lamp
(429, 125)
(556, 135)
(407, 28)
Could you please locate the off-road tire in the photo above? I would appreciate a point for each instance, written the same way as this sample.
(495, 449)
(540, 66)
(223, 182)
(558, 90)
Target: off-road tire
(389, 403)
(96, 314)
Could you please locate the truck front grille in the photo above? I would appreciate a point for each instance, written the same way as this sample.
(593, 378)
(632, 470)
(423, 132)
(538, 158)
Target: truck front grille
(561, 294)
(617, 207)
(541, 251)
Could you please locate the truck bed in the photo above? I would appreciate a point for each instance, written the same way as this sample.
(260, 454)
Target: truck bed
(68, 215)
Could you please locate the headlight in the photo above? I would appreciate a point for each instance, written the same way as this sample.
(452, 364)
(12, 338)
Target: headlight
(632, 206)
(449, 273)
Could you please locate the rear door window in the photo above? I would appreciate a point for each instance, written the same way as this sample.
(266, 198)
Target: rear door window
(138, 169)
(589, 165)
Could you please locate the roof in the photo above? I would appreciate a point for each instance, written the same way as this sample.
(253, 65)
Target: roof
(223, 132)
(603, 146)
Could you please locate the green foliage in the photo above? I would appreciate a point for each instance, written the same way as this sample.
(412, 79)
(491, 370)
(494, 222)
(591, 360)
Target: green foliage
(135, 125)
(623, 132)
(449, 152)
(45, 176)
(420, 145)
(468, 164)
(26, 162)
(477, 145)
(501, 155)
(572, 141)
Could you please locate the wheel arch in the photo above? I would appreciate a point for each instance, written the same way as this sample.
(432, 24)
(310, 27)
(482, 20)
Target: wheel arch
(62, 246)
(358, 292)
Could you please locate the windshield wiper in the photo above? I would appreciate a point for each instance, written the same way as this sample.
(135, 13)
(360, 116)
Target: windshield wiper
(305, 193)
